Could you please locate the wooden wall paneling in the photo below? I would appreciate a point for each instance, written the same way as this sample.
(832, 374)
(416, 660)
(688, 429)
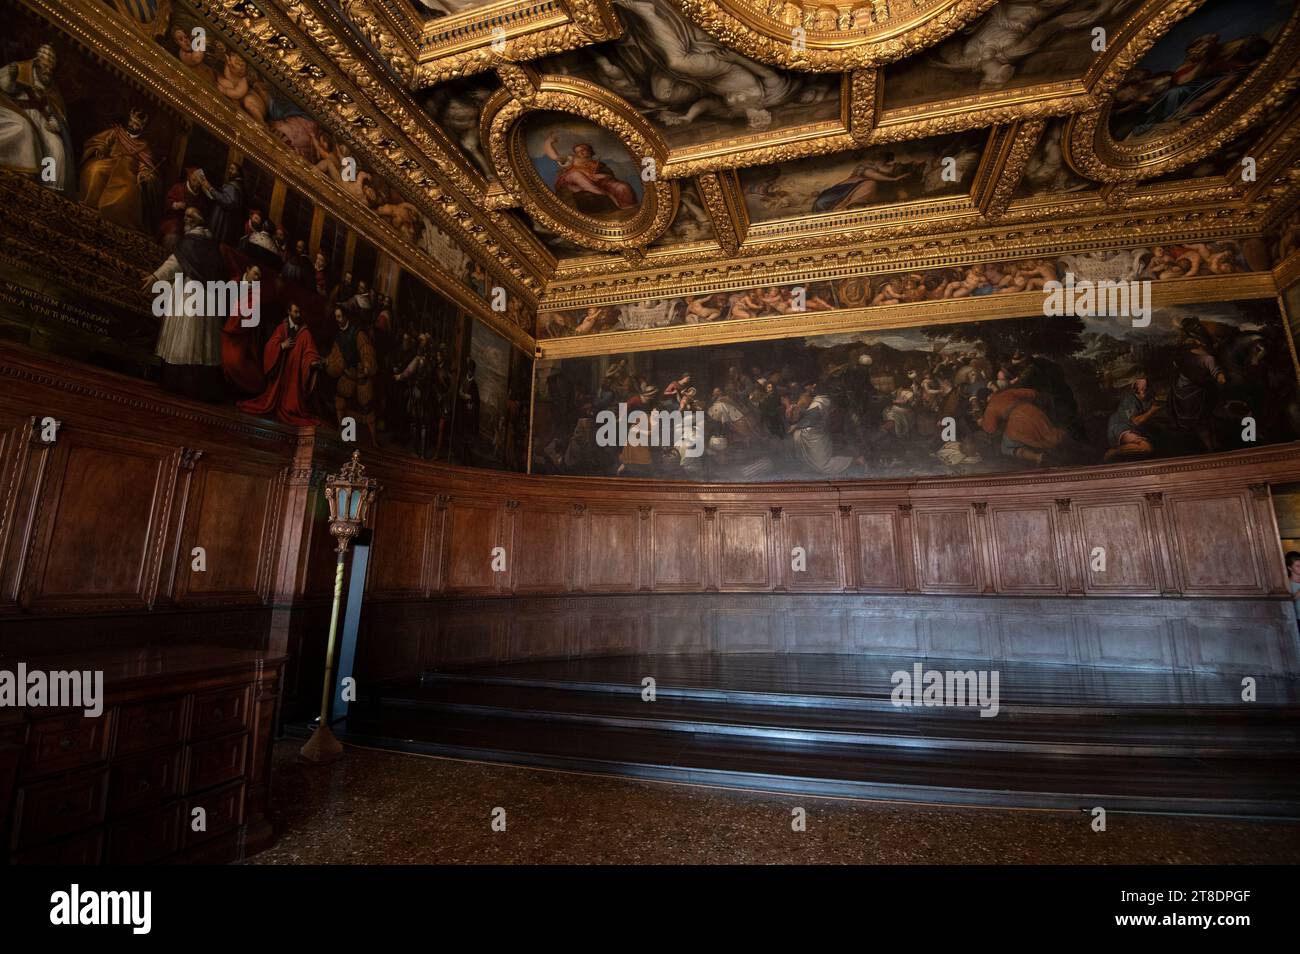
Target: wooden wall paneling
(746, 548)
(402, 544)
(1026, 548)
(878, 549)
(442, 542)
(850, 550)
(983, 550)
(818, 533)
(474, 529)
(645, 541)
(24, 462)
(578, 547)
(780, 554)
(947, 560)
(98, 542)
(1122, 529)
(1272, 554)
(1068, 546)
(908, 549)
(1214, 549)
(611, 550)
(1162, 555)
(184, 460)
(232, 516)
(678, 550)
(712, 550)
(540, 555)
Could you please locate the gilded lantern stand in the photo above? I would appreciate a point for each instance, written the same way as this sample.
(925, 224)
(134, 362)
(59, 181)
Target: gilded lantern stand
(350, 493)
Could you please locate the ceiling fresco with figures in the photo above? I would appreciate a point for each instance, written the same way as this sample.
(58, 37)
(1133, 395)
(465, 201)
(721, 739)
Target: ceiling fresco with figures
(587, 154)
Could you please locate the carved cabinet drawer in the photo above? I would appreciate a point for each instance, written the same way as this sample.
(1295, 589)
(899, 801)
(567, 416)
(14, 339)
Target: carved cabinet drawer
(147, 837)
(223, 811)
(71, 742)
(46, 810)
(150, 725)
(84, 849)
(220, 712)
(144, 780)
(216, 761)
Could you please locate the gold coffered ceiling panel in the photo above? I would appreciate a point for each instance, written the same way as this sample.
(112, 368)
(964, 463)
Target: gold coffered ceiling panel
(599, 151)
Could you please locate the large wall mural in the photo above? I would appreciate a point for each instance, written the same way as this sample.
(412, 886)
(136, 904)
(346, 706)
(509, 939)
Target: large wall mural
(1152, 263)
(138, 196)
(985, 397)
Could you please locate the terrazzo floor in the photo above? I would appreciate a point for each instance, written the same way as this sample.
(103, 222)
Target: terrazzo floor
(375, 807)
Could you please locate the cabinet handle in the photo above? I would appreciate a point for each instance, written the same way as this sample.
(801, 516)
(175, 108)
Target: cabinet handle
(66, 743)
(219, 713)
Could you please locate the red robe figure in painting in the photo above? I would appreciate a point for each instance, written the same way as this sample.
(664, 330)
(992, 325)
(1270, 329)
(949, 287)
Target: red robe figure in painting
(586, 182)
(241, 358)
(290, 361)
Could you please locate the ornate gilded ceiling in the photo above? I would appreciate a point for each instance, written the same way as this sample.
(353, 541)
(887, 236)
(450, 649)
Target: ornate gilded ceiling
(597, 151)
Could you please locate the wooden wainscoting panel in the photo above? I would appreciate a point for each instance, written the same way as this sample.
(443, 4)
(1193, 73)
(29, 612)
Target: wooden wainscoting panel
(817, 532)
(230, 515)
(99, 537)
(539, 554)
(403, 540)
(946, 551)
(879, 555)
(746, 539)
(611, 550)
(1215, 551)
(678, 550)
(1025, 551)
(474, 530)
(1122, 531)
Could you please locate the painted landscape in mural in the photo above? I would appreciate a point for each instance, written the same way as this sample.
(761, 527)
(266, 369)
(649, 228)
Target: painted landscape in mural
(137, 197)
(1194, 66)
(983, 397)
(1155, 263)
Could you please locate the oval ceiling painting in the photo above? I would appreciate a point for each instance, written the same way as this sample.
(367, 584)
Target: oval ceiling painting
(584, 166)
(1192, 68)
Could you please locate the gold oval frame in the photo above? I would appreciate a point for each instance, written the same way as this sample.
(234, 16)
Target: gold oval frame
(501, 127)
(1091, 149)
(860, 39)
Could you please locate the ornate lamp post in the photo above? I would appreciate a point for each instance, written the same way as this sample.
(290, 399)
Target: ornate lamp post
(350, 493)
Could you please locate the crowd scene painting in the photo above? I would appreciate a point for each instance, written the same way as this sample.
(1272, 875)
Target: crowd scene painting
(1193, 67)
(1155, 263)
(342, 331)
(1002, 395)
(221, 66)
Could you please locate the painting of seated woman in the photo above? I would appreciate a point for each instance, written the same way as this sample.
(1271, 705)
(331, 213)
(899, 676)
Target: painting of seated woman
(585, 166)
(1194, 67)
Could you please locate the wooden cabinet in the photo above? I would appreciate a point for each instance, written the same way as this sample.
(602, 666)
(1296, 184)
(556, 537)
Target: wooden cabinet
(165, 773)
